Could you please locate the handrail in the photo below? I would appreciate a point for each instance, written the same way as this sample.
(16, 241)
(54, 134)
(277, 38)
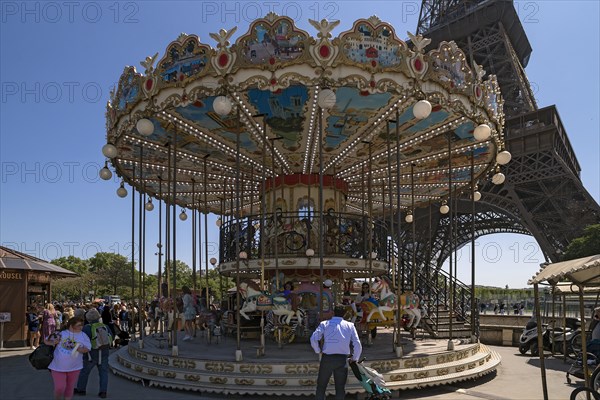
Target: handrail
(290, 234)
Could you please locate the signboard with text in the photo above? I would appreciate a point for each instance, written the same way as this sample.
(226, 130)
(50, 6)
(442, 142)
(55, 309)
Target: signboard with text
(4, 317)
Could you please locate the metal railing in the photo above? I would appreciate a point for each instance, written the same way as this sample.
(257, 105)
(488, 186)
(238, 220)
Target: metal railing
(291, 234)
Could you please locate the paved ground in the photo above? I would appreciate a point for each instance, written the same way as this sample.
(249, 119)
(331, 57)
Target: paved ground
(518, 378)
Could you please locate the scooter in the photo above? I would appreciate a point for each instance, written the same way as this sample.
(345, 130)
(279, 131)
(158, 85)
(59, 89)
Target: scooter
(551, 337)
(529, 338)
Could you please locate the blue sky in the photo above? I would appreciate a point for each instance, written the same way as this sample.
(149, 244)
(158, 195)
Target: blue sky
(59, 60)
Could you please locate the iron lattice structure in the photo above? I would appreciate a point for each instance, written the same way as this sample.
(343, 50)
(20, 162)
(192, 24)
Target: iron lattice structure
(543, 194)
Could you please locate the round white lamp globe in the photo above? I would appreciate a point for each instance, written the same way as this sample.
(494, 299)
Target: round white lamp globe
(222, 105)
(422, 109)
(121, 191)
(183, 215)
(498, 178)
(482, 132)
(105, 173)
(149, 206)
(109, 150)
(503, 157)
(326, 99)
(145, 127)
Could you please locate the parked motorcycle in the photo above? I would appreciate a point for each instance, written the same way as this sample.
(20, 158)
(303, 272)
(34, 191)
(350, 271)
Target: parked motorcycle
(528, 341)
(551, 337)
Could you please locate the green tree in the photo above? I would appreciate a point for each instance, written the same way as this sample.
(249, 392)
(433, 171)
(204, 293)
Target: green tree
(586, 245)
(75, 288)
(111, 271)
(72, 263)
(183, 273)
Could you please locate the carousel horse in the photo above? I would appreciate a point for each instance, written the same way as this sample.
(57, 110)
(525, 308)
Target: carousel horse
(408, 302)
(388, 301)
(279, 305)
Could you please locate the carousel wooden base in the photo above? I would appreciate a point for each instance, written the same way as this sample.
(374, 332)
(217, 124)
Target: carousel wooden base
(292, 370)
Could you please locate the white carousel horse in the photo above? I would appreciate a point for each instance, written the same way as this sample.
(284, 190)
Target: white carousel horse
(388, 301)
(277, 304)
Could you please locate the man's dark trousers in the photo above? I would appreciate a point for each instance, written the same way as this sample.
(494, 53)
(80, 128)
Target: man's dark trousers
(335, 364)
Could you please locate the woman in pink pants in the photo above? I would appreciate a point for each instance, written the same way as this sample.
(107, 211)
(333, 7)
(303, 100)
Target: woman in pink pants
(70, 344)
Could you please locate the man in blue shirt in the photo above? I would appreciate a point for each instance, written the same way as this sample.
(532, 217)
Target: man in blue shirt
(337, 335)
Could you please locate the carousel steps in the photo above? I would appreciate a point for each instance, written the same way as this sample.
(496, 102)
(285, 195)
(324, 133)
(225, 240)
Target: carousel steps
(294, 377)
(449, 367)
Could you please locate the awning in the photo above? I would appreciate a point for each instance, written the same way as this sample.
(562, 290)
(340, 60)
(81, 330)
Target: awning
(583, 271)
(568, 288)
(15, 260)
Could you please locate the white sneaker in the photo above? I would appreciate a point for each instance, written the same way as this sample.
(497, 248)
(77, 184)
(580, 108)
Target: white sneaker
(186, 337)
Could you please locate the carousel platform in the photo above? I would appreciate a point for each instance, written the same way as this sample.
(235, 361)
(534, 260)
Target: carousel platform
(292, 369)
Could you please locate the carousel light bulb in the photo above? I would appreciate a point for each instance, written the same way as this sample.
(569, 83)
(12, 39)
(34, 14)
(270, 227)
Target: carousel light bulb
(243, 255)
(149, 206)
(326, 99)
(422, 109)
(219, 222)
(145, 127)
(109, 150)
(213, 261)
(222, 105)
(476, 195)
(498, 178)
(482, 132)
(328, 283)
(444, 209)
(310, 252)
(105, 173)
(408, 218)
(183, 215)
(121, 191)
(503, 157)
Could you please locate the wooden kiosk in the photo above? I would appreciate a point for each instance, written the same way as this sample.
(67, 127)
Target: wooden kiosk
(24, 280)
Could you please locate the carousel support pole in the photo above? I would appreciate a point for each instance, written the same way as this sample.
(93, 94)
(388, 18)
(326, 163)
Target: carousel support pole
(140, 253)
(538, 319)
(133, 246)
(206, 259)
(193, 239)
(169, 315)
(450, 233)
(238, 351)
(474, 308)
(175, 349)
(398, 346)
(159, 253)
(391, 205)
(263, 221)
(321, 216)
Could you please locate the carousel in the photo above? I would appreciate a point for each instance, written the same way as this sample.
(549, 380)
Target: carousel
(315, 151)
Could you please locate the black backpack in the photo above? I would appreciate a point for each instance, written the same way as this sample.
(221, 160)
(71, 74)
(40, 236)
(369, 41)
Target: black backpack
(41, 357)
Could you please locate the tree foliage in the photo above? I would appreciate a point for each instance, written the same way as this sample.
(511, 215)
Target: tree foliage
(72, 263)
(586, 245)
(111, 271)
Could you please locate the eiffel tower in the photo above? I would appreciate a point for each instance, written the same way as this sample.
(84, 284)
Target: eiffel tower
(543, 195)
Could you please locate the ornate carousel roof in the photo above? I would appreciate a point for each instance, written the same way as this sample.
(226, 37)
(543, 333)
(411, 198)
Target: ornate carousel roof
(275, 77)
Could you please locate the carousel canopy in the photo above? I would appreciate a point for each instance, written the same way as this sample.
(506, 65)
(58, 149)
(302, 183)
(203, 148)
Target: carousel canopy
(280, 102)
(12, 259)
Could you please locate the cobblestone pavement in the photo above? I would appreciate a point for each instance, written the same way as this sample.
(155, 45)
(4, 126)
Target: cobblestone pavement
(517, 378)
